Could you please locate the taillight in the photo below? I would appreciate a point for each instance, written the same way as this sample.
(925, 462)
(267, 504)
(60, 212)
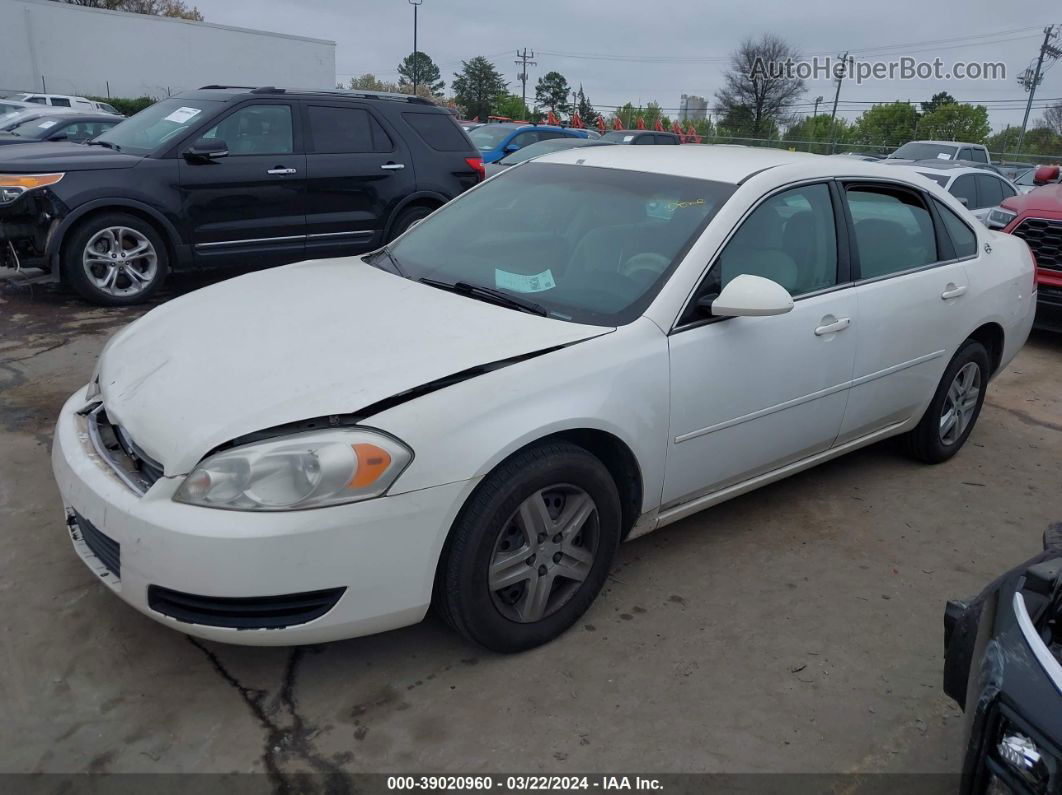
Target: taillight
(476, 164)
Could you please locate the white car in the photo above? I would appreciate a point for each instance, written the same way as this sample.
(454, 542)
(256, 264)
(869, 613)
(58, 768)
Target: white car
(10, 121)
(583, 349)
(978, 189)
(941, 150)
(67, 102)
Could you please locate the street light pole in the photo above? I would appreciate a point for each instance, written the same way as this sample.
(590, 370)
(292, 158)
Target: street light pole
(416, 60)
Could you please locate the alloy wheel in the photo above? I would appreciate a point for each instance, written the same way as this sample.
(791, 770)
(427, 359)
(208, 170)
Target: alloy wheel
(960, 403)
(544, 553)
(120, 261)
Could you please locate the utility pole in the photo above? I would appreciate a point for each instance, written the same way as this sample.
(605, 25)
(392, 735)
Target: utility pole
(524, 61)
(1031, 82)
(416, 60)
(814, 116)
(833, 115)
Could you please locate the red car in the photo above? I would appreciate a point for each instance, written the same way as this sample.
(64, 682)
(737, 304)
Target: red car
(1036, 217)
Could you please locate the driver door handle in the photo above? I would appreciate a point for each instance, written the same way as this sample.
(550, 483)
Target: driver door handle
(832, 328)
(952, 292)
(281, 170)
(393, 166)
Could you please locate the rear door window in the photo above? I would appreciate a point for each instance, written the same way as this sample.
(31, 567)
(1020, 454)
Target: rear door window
(893, 230)
(964, 187)
(438, 130)
(336, 130)
(962, 236)
(989, 191)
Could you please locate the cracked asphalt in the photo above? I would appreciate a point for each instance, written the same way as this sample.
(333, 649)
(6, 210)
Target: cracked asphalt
(795, 629)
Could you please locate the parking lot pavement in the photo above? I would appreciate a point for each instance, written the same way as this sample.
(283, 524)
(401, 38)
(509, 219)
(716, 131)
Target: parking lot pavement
(797, 628)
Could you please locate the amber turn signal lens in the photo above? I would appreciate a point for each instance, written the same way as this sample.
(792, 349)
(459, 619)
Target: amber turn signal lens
(28, 181)
(373, 461)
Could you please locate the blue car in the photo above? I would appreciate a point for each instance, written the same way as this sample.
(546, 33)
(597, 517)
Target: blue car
(495, 141)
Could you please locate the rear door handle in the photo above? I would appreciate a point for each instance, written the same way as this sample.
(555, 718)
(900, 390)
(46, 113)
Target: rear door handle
(832, 328)
(393, 166)
(281, 170)
(951, 291)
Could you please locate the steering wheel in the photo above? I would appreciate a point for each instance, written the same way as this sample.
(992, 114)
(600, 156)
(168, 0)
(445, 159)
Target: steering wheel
(647, 263)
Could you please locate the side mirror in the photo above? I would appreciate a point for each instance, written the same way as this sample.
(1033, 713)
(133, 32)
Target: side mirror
(512, 148)
(1045, 174)
(206, 150)
(752, 296)
(965, 201)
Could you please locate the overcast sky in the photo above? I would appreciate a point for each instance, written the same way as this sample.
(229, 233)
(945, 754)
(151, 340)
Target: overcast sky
(643, 50)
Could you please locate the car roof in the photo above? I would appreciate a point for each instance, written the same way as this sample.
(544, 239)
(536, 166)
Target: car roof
(231, 93)
(944, 143)
(642, 132)
(732, 164)
(83, 116)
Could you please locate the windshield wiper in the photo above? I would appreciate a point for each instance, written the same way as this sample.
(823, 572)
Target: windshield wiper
(488, 294)
(108, 144)
(386, 251)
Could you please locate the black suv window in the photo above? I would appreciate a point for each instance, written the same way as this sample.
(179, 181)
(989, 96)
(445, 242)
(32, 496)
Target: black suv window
(256, 130)
(438, 130)
(964, 187)
(338, 130)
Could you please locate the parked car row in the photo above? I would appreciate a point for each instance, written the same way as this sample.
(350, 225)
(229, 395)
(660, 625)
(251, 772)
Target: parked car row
(65, 101)
(223, 175)
(75, 127)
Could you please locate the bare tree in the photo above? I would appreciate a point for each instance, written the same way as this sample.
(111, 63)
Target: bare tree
(160, 8)
(758, 90)
(1053, 118)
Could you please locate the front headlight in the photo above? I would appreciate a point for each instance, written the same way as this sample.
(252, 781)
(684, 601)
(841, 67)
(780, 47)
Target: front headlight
(305, 470)
(14, 185)
(999, 218)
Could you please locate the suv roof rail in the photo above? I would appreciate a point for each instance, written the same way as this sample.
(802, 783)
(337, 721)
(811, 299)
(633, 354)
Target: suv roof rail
(333, 92)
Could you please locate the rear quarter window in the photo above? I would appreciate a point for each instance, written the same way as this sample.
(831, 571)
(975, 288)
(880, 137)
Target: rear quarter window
(439, 131)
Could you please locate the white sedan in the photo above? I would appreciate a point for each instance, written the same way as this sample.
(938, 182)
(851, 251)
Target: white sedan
(586, 348)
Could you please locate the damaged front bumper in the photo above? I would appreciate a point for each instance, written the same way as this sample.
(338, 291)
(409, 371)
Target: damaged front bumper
(1002, 666)
(27, 227)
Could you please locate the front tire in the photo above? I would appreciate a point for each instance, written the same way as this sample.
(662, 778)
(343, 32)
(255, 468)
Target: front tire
(955, 407)
(115, 259)
(532, 548)
(406, 219)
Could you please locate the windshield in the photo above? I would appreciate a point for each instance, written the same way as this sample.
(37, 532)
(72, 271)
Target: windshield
(918, 151)
(489, 136)
(590, 245)
(38, 128)
(158, 124)
(543, 148)
(1025, 177)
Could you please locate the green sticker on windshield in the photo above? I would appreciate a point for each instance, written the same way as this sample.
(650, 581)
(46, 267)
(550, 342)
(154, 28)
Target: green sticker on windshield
(520, 283)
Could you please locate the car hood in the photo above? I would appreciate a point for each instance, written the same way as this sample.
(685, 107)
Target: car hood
(62, 156)
(1042, 198)
(310, 340)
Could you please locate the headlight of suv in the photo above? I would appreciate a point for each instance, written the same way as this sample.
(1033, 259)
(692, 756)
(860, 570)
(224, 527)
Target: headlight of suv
(14, 185)
(999, 218)
(305, 470)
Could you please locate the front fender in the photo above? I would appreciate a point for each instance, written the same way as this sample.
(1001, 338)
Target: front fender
(617, 383)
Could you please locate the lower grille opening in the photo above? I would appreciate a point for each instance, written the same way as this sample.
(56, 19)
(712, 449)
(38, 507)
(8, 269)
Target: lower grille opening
(253, 612)
(106, 549)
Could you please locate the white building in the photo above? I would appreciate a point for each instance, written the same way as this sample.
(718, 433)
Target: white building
(69, 49)
(692, 108)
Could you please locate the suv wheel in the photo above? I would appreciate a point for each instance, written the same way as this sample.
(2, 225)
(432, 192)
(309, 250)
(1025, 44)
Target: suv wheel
(955, 407)
(115, 259)
(531, 550)
(406, 219)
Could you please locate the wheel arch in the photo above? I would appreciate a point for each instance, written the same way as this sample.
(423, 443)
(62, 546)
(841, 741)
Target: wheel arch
(57, 243)
(423, 198)
(990, 335)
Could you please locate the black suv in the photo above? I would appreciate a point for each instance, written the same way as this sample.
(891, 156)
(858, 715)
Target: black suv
(227, 175)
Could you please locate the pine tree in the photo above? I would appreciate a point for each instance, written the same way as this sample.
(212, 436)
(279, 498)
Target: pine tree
(586, 110)
(552, 92)
(478, 87)
(420, 66)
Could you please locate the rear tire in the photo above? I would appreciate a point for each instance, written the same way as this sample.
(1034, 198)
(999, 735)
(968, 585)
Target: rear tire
(955, 407)
(115, 259)
(406, 219)
(510, 590)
